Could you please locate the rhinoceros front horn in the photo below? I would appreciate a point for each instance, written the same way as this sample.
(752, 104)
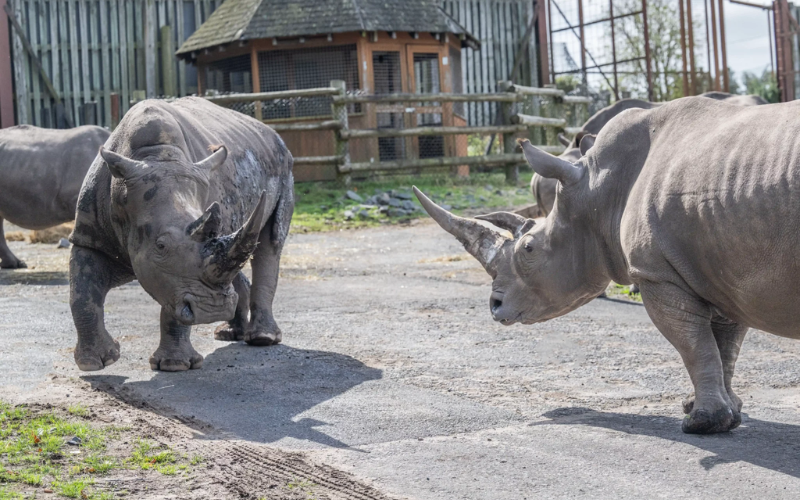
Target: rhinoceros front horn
(229, 253)
(480, 241)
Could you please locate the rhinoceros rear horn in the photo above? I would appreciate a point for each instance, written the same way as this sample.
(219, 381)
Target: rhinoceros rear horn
(216, 159)
(120, 166)
(549, 166)
(480, 241)
(232, 252)
(511, 222)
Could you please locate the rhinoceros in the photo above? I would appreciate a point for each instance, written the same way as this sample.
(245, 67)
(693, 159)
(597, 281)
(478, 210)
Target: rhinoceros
(544, 190)
(180, 197)
(665, 199)
(41, 172)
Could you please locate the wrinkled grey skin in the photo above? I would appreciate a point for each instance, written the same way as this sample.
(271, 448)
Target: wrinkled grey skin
(41, 172)
(665, 199)
(544, 190)
(159, 207)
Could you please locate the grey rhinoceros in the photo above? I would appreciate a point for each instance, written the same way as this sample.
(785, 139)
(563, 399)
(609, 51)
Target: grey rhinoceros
(180, 198)
(41, 172)
(544, 190)
(665, 199)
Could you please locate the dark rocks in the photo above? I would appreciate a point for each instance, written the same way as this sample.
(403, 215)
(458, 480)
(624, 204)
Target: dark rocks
(392, 203)
(354, 196)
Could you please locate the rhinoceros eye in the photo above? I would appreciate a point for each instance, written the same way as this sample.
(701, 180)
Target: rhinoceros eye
(528, 247)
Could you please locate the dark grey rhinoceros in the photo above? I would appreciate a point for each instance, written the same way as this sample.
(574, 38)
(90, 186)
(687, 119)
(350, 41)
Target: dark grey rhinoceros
(160, 207)
(41, 172)
(665, 199)
(544, 190)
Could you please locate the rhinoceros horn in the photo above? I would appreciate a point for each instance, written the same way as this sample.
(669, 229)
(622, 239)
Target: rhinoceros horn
(226, 255)
(549, 166)
(511, 222)
(208, 225)
(480, 241)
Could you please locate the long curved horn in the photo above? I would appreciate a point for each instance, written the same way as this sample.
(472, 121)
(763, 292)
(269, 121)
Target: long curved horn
(480, 241)
(550, 166)
(208, 225)
(511, 222)
(215, 160)
(228, 254)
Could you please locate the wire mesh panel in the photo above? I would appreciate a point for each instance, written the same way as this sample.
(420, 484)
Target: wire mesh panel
(231, 76)
(427, 81)
(305, 69)
(387, 74)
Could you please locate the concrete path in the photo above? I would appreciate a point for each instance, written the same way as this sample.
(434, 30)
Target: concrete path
(393, 370)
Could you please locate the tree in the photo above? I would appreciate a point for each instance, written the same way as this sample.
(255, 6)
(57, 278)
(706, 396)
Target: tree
(766, 86)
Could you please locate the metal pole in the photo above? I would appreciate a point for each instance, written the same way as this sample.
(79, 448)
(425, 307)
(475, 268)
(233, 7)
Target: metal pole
(692, 67)
(647, 51)
(723, 43)
(716, 49)
(613, 49)
(708, 45)
(544, 55)
(771, 48)
(552, 49)
(583, 44)
(683, 48)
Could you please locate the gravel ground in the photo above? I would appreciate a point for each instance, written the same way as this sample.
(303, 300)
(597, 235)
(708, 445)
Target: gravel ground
(393, 372)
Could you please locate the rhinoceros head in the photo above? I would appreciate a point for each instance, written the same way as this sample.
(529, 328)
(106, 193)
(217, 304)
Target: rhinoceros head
(537, 272)
(177, 250)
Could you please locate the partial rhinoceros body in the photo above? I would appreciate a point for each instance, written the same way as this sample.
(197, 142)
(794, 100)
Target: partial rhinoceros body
(41, 172)
(180, 198)
(544, 190)
(696, 202)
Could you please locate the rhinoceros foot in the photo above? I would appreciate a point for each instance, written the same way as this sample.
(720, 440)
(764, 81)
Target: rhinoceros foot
(97, 356)
(703, 421)
(14, 264)
(176, 360)
(228, 333)
(263, 337)
(688, 403)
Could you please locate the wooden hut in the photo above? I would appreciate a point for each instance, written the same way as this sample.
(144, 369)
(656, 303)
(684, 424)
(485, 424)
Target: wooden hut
(375, 46)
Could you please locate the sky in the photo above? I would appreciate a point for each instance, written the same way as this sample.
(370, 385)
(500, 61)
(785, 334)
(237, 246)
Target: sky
(747, 36)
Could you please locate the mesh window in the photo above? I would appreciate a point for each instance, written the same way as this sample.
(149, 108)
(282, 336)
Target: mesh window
(386, 70)
(231, 76)
(427, 81)
(457, 79)
(305, 69)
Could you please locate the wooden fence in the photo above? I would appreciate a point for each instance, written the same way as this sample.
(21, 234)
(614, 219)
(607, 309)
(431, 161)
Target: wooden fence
(91, 49)
(518, 104)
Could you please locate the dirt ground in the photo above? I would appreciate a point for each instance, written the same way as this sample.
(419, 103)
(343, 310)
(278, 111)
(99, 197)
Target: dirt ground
(394, 382)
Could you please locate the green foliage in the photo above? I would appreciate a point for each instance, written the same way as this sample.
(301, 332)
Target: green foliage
(765, 86)
(148, 455)
(78, 410)
(568, 83)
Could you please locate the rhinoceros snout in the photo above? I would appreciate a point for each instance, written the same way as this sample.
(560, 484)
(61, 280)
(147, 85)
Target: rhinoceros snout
(191, 310)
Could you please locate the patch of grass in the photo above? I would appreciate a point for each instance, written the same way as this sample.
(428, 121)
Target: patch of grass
(321, 206)
(303, 485)
(10, 495)
(196, 459)
(78, 410)
(72, 489)
(621, 291)
(147, 455)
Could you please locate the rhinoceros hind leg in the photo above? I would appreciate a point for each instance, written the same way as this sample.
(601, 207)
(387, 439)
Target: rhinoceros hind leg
(7, 258)
(175, 352)
(263, 330)
(91, 276)
(685, 321)
(234, 329)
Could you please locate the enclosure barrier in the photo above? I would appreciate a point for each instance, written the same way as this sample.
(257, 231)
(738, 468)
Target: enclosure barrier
(531, 112)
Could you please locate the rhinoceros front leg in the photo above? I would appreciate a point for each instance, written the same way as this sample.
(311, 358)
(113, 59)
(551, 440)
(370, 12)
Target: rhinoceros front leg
(729, 337)
(234, 329)
(7, 259)
(175, 352)
(686, 322)
(91, 276)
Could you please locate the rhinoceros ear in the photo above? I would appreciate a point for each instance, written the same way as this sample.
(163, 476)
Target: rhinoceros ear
(208, 225)
(120, 166)
(587, 141)
(216, 159)
(563, 139)
(549, 166)
(511, 222)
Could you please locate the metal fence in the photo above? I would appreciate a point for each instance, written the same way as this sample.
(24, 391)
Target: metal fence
(91, 49)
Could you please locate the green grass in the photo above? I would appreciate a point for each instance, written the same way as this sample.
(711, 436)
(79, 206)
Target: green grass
(78, 411)
(321, 206)
(616, 291)
(147, 455)
(303, 485)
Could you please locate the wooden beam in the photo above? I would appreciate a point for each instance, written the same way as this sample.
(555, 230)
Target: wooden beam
(6, 79)
(428, 131)
(491, 97)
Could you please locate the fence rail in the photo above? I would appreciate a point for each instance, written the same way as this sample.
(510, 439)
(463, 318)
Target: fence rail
(515, 99)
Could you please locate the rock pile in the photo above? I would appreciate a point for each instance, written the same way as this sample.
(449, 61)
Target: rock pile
(392, 203)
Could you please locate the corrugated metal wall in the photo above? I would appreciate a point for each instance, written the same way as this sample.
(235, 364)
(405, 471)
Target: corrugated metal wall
(500, 25)
(91, 48)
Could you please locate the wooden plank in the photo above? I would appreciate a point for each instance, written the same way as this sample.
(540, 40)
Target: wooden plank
(546, 91)
(113, 20)
(74, 60)
(66, 69)
(428, 131)
(130, 34)
(35, 17)
(317, 160)
(21, 68)
(138, 13)
(182, 84)
(83, 15)
(167, 62)
(123, 59)
(150, 23)
(386, 98)
(435, 162)
(159, 47)
(94, 38)
(6, 73)
(55, 62)
(538, 121)
(305, 127)
(486, 45)
(267, 96)
(469, 64)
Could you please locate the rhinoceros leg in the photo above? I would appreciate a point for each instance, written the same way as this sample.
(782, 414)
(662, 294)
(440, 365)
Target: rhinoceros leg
(729, 337)
(685, 321)
(175, 352)
(234, 329)
(7, 259)
(263, 330)
(91, 276)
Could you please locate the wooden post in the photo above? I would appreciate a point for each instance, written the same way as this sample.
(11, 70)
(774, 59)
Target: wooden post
(646, 31)
(341, 146)
(544, 57)
(115, 109)
(716, 48)
(692, 67)
(168, 61)
(509, 140)
(90, 113)
(150, 47)
(256, 76)
(685, 74)
(726, 86)
(6, 80)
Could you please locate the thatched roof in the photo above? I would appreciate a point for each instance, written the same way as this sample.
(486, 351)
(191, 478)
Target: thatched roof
(241, 20)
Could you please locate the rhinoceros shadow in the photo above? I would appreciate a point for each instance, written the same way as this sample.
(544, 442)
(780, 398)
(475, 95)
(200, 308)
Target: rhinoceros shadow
(28, 277)
(771, 445)
(257, 394)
